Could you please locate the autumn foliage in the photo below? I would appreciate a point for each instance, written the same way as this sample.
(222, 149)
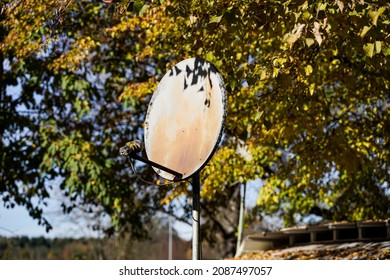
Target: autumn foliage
(308, 95)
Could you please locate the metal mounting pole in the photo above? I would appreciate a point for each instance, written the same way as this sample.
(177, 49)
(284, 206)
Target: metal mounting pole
(242, 216)
(196, 243)
(170, 238)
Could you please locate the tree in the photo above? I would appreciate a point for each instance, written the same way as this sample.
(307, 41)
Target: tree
(307, 83)
(308, 99)
(61, 118)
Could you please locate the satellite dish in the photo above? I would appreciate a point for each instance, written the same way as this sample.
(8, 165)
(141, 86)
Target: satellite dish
(185, 118)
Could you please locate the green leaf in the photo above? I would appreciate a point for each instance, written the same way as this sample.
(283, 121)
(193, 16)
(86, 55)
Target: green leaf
(64, 82)
(138, 5)
(215, 19)
(143, 9)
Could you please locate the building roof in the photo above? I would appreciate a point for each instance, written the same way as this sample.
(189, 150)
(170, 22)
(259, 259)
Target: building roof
(320, 236)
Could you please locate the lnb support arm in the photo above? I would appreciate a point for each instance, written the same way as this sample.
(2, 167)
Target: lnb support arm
(132, 148)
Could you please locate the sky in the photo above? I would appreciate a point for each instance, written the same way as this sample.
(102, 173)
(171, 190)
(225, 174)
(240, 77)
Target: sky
(17, 222)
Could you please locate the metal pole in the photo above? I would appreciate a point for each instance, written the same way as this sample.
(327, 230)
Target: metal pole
(170, 239)
(242, 215)
(196, 244)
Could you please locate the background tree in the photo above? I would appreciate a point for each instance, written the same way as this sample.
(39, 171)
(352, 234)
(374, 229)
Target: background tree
(60, 82)
(308, 95)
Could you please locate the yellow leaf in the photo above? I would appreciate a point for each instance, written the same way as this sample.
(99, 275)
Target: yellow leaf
(279, 62)
(77, 156)
(374, 15)
(309, 41)
(308, 69)
(290, 38)
(321, 7)
(263, 75)
(276, 72)
(304, 6)
(364, 31)
(311, 88)
(193, 19)
(378, 46)
(369, 49)
(116, 202)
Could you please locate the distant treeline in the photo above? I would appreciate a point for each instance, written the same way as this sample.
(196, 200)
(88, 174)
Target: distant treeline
(40, 248)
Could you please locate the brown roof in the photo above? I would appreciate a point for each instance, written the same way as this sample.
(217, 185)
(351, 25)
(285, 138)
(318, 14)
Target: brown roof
(341, 251)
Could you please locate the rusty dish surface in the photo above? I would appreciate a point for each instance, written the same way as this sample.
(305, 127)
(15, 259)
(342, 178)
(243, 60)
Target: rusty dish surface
(185, 118)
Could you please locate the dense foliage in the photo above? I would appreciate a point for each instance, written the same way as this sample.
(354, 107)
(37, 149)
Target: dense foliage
(308, 85)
